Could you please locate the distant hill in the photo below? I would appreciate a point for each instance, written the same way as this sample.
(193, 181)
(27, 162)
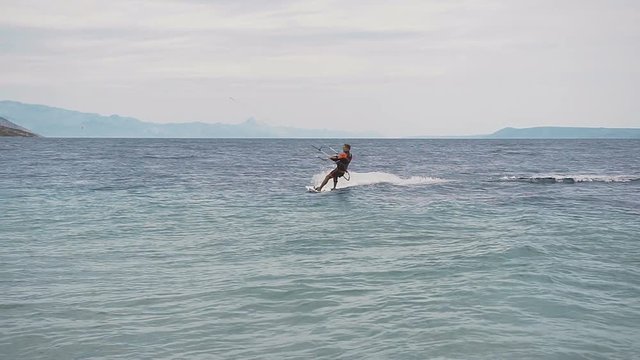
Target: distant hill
(552, 132)
(7, 128)
(56, 122)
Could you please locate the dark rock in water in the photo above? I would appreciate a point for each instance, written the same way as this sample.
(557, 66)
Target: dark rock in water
(552, 180)
(544, 180)
(7, 128)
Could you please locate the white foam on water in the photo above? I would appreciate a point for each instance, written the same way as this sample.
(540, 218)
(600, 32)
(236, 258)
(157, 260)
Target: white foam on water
(376, 177)
(573, 178)
(603, 178)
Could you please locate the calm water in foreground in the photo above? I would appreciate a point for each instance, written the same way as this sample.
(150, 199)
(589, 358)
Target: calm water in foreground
(204, 249)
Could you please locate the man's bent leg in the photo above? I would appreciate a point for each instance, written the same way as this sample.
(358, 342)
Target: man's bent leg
(324, 182)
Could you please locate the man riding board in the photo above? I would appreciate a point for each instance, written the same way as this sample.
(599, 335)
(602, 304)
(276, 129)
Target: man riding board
(342, 161)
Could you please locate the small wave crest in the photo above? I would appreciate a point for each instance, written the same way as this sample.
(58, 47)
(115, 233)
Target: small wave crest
(168, 157)
(572, 179)
(371, 178)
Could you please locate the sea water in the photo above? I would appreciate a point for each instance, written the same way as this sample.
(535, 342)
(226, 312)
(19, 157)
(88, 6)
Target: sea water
(212, 249)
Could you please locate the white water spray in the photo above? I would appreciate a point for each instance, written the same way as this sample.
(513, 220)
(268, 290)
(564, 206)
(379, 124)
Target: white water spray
(372, 178)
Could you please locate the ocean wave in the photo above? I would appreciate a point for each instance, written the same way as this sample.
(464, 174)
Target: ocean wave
(572, 179)
(376, 177)
(168, 157)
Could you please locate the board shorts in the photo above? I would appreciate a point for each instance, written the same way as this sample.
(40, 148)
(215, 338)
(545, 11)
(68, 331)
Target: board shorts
(336, 173)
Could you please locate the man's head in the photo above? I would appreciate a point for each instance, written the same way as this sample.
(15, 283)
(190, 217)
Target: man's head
(346, 147)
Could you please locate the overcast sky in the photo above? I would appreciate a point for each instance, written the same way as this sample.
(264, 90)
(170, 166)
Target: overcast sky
(396, 67)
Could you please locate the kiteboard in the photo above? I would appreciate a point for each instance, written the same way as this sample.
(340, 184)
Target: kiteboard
(312, 189)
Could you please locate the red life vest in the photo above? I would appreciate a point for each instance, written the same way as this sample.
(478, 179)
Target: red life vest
(343, 161)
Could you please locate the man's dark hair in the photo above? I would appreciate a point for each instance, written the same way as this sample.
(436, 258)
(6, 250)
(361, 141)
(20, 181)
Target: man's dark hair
(348, 146)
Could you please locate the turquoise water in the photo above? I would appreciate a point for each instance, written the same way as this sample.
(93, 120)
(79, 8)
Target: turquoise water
(201, 249)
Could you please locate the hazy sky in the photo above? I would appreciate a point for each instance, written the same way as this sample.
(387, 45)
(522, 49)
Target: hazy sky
(395, 67)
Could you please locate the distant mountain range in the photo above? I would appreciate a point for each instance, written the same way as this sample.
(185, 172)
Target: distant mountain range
(55, 122)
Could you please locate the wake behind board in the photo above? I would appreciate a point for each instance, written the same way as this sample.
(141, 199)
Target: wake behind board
(312, 189)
